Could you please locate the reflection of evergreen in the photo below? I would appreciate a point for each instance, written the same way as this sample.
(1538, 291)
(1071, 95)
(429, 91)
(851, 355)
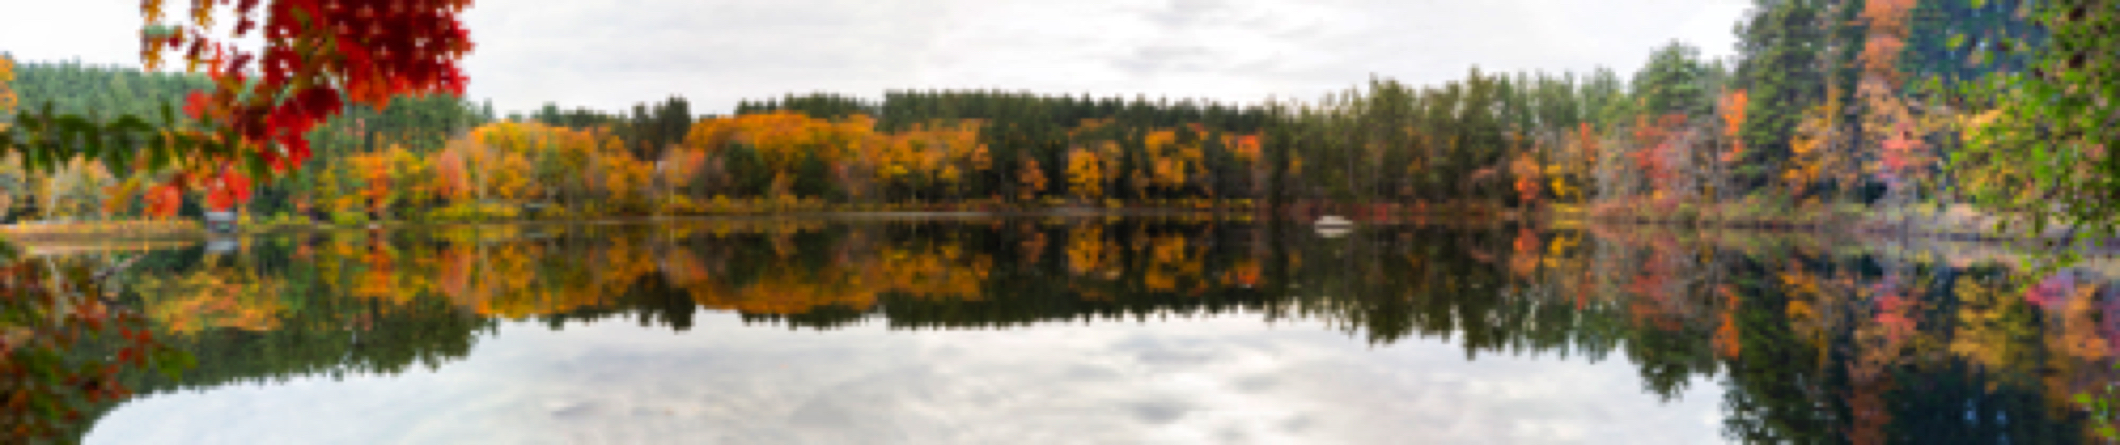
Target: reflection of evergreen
(1769, 395)
(1955, 402)
(824, 317)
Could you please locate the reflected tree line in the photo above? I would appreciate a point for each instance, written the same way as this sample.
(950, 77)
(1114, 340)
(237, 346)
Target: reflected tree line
(1811, 341)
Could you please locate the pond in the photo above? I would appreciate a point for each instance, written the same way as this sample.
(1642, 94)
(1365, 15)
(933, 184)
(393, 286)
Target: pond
(1106, 330)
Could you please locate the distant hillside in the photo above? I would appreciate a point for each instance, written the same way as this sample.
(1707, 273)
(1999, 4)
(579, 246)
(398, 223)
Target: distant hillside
(104, 91)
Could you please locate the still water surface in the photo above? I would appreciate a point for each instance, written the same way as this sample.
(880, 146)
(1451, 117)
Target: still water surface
(1103, 331)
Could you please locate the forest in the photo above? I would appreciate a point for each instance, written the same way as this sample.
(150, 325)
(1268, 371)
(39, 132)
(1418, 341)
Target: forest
(1830, 108)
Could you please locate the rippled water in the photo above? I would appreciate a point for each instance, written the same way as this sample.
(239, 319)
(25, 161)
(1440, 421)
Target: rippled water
(1094, 330)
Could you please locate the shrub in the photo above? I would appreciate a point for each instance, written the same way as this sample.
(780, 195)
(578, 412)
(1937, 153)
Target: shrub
(349, 218)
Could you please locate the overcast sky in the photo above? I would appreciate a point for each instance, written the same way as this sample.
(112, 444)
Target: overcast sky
(610, 54)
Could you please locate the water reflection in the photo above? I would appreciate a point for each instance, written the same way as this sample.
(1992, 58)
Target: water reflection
(1156, 324)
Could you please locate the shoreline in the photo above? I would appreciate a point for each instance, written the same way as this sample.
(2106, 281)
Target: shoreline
(1954, 226)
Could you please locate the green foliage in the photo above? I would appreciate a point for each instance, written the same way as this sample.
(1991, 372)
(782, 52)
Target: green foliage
(349, 218)
(46, 139)
(1779, 47)
(2104, 407)
(1954, 41)
(1674, 82)
(818, 105)
(100, 92)
(647, 132)
(2042, 155)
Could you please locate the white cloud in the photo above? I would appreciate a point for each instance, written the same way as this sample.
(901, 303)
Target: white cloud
(610, 54)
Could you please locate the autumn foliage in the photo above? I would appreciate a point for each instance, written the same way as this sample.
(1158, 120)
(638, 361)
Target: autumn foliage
(314, 53)
(227, 189)
(1733, 116)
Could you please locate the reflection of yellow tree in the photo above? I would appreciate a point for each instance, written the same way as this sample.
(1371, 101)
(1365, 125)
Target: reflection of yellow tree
(1172, 263)
(2079, 337)
(1806, 292)
(1089, 255)
(507, 279)
(381, 279)
(212, 296)
(1994, 327)
(787, 290)
(942, 272)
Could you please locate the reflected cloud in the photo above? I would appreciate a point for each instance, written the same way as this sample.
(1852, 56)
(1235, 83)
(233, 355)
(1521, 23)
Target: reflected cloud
(1232, 382)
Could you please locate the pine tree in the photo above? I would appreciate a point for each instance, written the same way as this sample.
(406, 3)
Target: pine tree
(1780, 44)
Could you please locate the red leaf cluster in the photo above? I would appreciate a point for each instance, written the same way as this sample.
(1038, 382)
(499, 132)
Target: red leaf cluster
(163, 200)
(227, 190)
(1656, 139)
(318, 51)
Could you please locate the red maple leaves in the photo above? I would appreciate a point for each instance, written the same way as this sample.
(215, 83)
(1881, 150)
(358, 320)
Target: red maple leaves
(1658, 141)
(318, 51)
(163, 200)
(226, 190)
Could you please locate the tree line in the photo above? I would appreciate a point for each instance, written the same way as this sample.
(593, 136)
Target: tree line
(1827, 103)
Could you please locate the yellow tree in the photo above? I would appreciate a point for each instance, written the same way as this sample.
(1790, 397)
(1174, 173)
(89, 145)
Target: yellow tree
(374, 170)
(7, 90)
(1808, 157)
(328, 193)
(623, 177)
(1167, 159)
(412, 175)
(1085, 175)
(1032, 178)
(511, 177)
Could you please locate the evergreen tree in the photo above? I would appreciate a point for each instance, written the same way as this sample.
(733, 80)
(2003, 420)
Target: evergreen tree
(1780, 46)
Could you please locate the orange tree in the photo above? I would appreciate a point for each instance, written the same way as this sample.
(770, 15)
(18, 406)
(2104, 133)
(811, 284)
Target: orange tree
(62, 342)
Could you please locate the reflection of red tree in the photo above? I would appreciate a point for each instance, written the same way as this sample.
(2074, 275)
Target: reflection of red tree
(454, 279)
(1881, 345)
(1652, 285)
(1727, 342)
(2051, 293)
(226, 190)
(1870, 380)
(1525, 261)
(1895, 310)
